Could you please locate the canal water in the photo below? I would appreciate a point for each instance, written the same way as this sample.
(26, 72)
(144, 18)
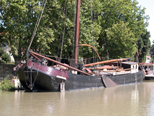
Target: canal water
(129, 100)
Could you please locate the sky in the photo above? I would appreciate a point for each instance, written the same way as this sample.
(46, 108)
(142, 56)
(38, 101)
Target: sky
(149, 5)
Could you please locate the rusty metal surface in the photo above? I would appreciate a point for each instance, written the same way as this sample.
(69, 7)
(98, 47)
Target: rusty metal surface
(92, 48)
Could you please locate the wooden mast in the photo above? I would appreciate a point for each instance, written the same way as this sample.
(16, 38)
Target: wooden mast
(77, 30)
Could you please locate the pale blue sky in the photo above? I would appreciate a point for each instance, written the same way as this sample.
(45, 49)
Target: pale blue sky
(149, 5)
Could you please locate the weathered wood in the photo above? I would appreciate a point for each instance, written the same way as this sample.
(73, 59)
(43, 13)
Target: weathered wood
(108, 82)
(92, 48)
(34, 56)
(105, 67)
(107, 61)
(77, 30)
(60, 63)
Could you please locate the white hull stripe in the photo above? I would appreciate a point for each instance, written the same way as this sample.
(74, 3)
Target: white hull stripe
(60, 77)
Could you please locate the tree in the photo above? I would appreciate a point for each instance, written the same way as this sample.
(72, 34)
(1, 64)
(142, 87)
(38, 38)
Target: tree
(17, 20)
(111, 26)
(90, 28)
(122, 40)
(4, 57)
(152, 52)
(113, 14)
(144, 45)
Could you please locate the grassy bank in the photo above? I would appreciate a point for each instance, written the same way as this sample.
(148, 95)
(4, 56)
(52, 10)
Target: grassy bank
(6, 85)
(0, 86)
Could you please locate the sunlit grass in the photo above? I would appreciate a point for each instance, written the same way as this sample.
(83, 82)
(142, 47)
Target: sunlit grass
(6, 85)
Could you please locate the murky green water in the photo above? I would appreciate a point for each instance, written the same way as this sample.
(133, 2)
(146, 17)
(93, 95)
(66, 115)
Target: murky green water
(129, 100)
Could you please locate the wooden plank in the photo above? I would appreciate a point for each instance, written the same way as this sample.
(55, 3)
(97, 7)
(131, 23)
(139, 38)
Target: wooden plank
(108, 82)
(107, 61)
(60, 63)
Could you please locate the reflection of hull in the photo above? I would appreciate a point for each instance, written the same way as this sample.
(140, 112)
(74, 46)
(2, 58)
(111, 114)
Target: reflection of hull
(49, 78)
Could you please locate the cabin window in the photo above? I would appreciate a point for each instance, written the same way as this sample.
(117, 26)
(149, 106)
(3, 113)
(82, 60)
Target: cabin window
(151, 67)
(135, 67)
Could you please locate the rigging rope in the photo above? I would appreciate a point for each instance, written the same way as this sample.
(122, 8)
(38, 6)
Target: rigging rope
(73, 39)
(63, 30)
(92, 26)
(36, 25)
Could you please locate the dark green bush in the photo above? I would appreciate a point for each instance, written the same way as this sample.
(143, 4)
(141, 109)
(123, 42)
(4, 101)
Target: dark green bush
(2, 61)
(6, 57)
(1, 51)
(0, 86)
(7, 85)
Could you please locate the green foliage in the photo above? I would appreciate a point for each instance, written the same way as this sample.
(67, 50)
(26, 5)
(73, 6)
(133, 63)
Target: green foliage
(152, 52)
(18, 19)
(7, 85)
(144, 45)
(90, 28)
(6, 57)
(0, 86)
(2, 61)
(135, 21)
(111, 26)
(122, 39)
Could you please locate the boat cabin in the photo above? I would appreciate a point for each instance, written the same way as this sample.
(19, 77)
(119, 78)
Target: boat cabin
(149, 70)
(126, 66)
(132, 65)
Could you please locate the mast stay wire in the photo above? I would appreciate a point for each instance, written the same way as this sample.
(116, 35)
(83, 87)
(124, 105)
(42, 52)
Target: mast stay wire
(92, 18)
(73, 38)
(36, 26)
(63, 30)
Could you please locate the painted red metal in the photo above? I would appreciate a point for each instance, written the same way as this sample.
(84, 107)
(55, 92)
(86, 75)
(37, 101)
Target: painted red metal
(46, 69)
(60, 63)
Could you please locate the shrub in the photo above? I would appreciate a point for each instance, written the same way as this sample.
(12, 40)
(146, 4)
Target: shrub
(0, 86)
(1, 51)
(6, 57)
(7, 85)
(2, 61)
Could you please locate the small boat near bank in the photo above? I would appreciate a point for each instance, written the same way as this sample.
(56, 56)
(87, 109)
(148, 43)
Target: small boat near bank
(149, 70)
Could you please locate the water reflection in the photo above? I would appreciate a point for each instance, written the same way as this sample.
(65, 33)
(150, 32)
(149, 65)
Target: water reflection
(129, 100)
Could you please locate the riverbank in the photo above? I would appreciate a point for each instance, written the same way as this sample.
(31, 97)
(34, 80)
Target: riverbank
(7, 85)
(6, 77)
(6, 71)
(10, 85)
